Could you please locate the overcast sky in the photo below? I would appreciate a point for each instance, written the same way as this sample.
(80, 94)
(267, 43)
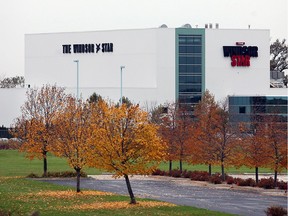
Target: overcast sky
(20, 17)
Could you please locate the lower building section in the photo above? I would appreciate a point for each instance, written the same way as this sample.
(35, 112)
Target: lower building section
(258, 108)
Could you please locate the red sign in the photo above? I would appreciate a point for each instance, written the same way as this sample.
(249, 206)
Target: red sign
(240, 43)
(240, 55)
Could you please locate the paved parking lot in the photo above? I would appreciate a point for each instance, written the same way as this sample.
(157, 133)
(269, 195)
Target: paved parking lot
(224, 198)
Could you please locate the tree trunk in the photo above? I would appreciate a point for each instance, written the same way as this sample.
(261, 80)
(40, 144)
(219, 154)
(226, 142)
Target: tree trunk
(275, 178)
(256, 175)
(78, 171)
(222, 171)
(132, 198)
(45, 164)
(210, 169)
(170, 166)
(180, 163)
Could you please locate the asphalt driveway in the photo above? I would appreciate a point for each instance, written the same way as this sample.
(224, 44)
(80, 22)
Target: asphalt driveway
(222, 198)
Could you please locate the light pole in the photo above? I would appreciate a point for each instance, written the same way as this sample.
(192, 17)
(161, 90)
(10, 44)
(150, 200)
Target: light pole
(121, 68)
(77, 62)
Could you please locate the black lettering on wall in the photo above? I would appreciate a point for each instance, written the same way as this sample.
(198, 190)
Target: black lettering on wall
(66, 48)
(240, 55)
(98, 47)
(87, 48)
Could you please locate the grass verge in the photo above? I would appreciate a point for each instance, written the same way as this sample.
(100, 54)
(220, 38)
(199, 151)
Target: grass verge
(215, 169)
(19, 196)
(14, 163)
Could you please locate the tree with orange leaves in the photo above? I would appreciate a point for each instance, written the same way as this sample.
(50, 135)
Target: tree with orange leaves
(72, 132)
(275, 132)
(226, 140)
(214, 137)
(125, 142)
(175, 129)
(182, 133)
(252, 151)
(35, 126)
(167, 130)
(205, 131)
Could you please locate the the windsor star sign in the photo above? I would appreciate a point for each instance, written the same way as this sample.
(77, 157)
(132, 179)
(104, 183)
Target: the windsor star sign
(240, 55)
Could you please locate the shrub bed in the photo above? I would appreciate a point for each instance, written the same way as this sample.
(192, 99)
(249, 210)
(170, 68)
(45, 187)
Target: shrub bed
(230, 180)
(282, 185)
(267, 183)
(10, 144)
(216, 179)
(244, 182)
(64, 174)
(276, 211)
(200, 176)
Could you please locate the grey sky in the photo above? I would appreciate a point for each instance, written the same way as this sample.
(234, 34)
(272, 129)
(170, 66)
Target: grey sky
(19, 17)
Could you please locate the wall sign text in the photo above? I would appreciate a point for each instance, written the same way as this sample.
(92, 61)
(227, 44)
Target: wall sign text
(87, 48)
(240, 55)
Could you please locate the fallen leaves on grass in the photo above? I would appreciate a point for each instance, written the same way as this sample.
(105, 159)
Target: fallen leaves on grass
(119, 205)
(10, 177)
(69, 194)
(54, 195)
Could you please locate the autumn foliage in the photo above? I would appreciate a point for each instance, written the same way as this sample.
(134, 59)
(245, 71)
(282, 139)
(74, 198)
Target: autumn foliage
(205, 132)
(124, 141)
(207, 136)
(72, 134)
(116, 138)
(35, 125)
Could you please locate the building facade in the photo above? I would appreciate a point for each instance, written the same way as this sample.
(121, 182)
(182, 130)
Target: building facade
(153, 66)
(161, 64)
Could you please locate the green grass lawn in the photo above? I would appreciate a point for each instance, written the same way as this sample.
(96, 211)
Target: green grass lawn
(201, 167)
(13, 163)
(20, 196)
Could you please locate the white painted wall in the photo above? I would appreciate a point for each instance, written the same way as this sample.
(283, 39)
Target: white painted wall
(11, 101)
(221, 78)
(149, 59)
(147, 54)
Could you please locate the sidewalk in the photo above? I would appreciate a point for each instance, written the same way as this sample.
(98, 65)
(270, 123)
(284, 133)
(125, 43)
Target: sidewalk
(280, 177)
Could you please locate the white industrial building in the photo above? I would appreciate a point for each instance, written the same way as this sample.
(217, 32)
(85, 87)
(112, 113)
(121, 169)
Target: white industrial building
(161, 64)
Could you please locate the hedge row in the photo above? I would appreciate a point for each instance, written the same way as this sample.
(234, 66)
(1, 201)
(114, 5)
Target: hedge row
(216, 179)
(64, 174)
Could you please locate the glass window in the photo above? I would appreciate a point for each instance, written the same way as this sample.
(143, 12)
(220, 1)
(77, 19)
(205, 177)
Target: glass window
(189, 60)
(190, 40)
(242, 109)
(189, 88)
(277, 109)
(190, 49)
(240, 101)
(190, 79)
(182, 40)
(190, 69)
(277, 100)
(189, 98)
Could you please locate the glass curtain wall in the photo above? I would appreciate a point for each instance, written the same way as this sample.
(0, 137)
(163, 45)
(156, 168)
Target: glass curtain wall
(190, 68)
(255, 108)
